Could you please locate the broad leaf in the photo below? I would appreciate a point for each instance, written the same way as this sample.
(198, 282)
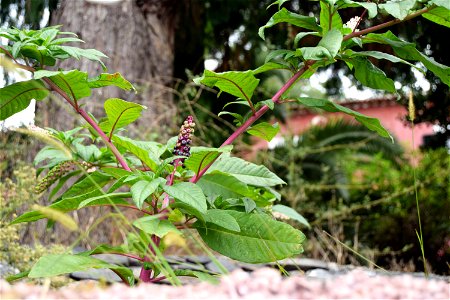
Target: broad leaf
(269, 66)
(379, 55)
(17, 96)
(314, 53)
(141, 190)
(398, 9)
(147, 152)
(371, 7)
(246, 172)
(332, 41)
(222, 218)
(74, 203)
(286, 16)
(58, 264)
(371, 76)
(188, 194)
(92, 182)
(261, 239)
(216, 184)
(73, 82)
(443, 3)
(291, 213)
(203, 156)
(371, 123)
(264, 130)
(439, 15)
(106, 79)
(63, 52)
(239, 84)
(408, 51)
(152, 225)
(329, 13)
(120, 113)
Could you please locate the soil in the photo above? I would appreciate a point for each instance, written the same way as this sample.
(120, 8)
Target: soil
(264, 283)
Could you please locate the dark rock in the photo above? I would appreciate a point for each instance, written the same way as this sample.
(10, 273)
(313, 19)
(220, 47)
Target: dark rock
(228, 264)
(201, 259)
(96, 274)
(6, 269)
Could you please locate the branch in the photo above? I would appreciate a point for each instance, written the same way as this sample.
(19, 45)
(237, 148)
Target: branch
(388, 24)
(276, 99)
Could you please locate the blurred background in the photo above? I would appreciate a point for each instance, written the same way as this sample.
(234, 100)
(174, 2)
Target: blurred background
(343, 179)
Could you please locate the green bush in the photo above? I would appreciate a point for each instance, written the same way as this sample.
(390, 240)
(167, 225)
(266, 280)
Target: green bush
(364, 195)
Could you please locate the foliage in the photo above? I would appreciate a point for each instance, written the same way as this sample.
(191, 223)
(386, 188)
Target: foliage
(17, 192)
(314, 163)
(227, 200)
(335, 176)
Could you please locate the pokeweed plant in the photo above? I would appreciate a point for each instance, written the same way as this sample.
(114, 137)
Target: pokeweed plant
(177, 186)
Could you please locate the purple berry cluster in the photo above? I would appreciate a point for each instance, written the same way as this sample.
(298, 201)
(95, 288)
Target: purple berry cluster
(182, 147)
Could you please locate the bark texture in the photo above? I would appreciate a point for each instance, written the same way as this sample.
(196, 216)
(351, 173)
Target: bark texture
(138, 37)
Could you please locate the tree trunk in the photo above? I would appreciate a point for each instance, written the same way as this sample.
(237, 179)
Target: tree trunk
(138, 37)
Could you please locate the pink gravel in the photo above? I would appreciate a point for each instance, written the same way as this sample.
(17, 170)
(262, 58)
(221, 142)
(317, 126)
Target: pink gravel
(262, 284)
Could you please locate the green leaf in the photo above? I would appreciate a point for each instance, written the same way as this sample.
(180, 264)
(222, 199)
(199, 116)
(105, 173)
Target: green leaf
(280, 52)
(120, 113)
(74, 203)
(443, 3)
(246, 172)
(73, 82)
(291, 213)
(329, 13)
(398, 9)
(106, 79)
(92, 182)
(222, 218)
(371, 76)
(200, 275)
(379, 55)
(408, 51)
(77, 53)
(371, 123)
(260, 240)
(58, 264)
(239, 84)
(148, 152)
(216, 184)
(284, 15)
(66, 40)
(439, 15)
(371, 7)
(332, 41)
(203, 156)
(17, 96)
(189, 194)
(264, 130)
(269, 66)
(314, 53)
(142, 189)
(153, 225)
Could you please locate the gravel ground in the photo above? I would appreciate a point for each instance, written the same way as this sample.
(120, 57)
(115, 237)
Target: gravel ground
(262, 284)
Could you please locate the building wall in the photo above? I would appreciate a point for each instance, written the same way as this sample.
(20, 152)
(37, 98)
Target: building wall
(389, 113)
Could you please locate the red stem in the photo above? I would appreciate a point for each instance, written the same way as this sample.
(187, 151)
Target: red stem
(276, 98)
